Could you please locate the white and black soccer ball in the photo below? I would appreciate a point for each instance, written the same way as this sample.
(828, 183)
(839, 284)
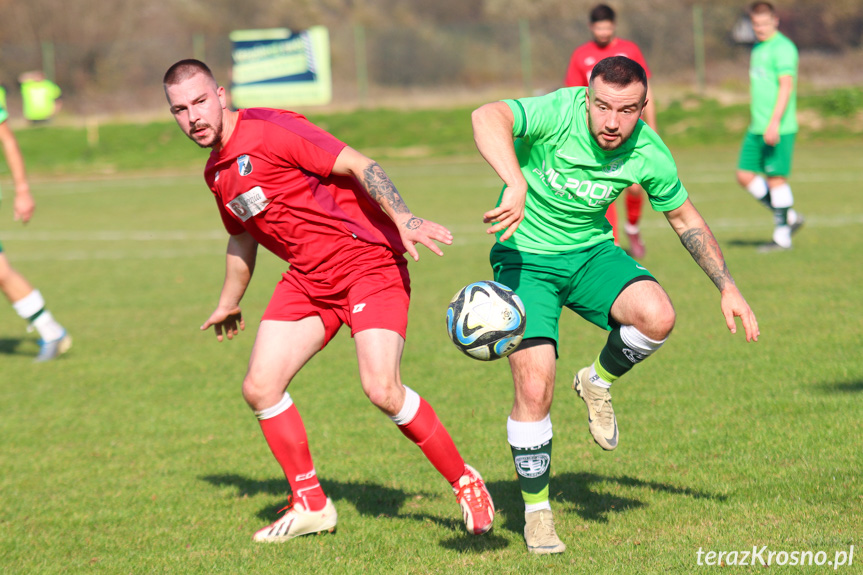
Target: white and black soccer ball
(486, 320)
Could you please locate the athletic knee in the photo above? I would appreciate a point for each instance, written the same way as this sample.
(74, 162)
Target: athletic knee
(260, 393)
(658, 319)
(387, 396)
(744, 178)
(532, 400)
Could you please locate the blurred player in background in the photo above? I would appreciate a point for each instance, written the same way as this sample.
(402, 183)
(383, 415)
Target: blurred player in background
(575, 151)
(40, 97)
(25, 300)
(768, 145)
(335, 216)
(605, 43)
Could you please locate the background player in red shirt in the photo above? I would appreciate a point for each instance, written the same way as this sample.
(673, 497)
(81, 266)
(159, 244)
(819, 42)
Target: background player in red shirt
(604, 44)
(336, 217)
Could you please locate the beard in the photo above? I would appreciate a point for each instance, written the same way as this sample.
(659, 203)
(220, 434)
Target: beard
(596, 134)
(207, 143)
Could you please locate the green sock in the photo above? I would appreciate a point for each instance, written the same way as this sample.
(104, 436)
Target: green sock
(612, 360)
(533, 465)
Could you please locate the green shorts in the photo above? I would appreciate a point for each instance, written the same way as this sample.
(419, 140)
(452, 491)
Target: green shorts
(756, 156)
(587, 281)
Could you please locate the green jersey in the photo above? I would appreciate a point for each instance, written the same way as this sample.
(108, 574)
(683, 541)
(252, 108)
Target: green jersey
(571, 180)
(771, 59)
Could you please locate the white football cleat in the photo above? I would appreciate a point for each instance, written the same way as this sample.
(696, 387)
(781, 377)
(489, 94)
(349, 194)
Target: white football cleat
(297, 521)
(49, 350)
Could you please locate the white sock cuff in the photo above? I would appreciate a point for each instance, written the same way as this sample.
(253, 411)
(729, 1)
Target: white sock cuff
(781, 196)
(409, 409)
(284, 404)
(29, 305)
(638, 341)
(525, 434)
(757, 187)
(531, 507)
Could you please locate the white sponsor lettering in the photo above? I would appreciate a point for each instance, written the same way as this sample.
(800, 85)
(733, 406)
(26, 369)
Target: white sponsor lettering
(249, 204)
(762, 557)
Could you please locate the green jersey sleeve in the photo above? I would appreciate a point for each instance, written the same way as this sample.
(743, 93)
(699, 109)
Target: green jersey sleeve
(660, 180)
(539, 119)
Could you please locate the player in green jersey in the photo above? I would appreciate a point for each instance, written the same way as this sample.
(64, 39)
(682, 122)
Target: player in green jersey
(768, 145)
(26, 301)
(575, 151)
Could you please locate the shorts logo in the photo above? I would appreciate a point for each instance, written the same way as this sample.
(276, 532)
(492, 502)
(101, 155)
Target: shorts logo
(532, 465)
(359, 307)
(249, 204)
(216, 179)
(244, 165)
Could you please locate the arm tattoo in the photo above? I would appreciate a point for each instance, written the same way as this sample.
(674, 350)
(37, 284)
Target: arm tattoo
(382, 189)
(701, 244)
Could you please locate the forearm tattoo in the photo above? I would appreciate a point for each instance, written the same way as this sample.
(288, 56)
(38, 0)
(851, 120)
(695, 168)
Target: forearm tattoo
(382, 189)
(703, 247)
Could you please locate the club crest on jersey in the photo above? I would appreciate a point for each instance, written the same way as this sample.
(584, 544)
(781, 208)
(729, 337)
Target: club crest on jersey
(249, 204)
(244, 165)
(613, 167)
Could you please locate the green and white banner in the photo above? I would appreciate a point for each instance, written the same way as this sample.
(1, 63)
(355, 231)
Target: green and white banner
(277, 68)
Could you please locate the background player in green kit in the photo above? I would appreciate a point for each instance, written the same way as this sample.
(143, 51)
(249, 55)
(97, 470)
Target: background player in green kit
(575, 151)
(27, 301)
(768, 145)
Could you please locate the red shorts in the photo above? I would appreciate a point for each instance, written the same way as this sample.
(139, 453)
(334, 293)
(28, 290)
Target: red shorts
(372, 294)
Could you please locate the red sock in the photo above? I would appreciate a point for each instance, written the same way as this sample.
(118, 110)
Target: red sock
(633, 208)
(286, 436)
(427, 431)
(611, 216)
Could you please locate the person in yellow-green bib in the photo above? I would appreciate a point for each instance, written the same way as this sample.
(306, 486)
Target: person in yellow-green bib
(40, 97)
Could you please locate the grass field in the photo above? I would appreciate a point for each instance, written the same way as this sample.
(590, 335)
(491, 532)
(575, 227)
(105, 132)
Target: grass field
(136, 454)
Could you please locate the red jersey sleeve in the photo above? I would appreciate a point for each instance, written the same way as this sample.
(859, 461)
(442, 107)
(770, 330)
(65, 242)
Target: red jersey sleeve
(299, 143)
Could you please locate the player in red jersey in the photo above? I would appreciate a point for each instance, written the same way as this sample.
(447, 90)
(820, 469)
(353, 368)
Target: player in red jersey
(336, 217)
(605, 43)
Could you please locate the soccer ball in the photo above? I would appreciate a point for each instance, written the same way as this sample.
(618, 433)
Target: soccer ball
(486, 320)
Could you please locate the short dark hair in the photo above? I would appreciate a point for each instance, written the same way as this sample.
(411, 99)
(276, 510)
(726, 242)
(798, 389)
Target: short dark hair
(185, 69)
(601, 13)
(761, 8)
(619, 71)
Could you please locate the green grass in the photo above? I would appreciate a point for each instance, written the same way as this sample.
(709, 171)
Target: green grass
(136, 454)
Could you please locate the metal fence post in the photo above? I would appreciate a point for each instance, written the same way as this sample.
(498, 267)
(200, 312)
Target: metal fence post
(526, 65)
(48, 60)
(698, 40)
(362, 67)
(199, 47)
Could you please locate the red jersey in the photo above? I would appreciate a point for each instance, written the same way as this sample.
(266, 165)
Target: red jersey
(585, 57)
(274, 180)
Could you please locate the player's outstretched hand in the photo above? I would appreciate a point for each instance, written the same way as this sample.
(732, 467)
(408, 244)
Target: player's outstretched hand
(416, 230)
(229, 321)
(733, 305)
(24, 205)
(508, 215)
